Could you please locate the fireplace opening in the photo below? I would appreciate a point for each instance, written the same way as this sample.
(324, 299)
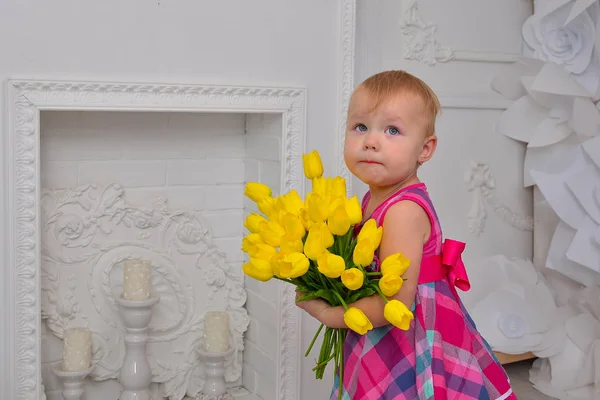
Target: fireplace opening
(166, 186)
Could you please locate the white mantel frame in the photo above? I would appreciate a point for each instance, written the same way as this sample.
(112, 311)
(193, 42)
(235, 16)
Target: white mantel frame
(26, 99)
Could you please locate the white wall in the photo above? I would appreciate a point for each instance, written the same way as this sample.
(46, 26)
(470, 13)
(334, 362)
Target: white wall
(263, 139)
(483, 36)
(271, 42)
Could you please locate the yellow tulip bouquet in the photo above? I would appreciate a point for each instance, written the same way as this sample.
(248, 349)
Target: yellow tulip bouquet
(311, 244)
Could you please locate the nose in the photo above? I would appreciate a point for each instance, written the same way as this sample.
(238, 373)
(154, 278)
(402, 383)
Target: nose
(370, 142)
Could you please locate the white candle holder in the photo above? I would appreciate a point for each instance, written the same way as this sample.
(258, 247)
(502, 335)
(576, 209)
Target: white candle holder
(72, 382)
(135, 375)
(214, 386)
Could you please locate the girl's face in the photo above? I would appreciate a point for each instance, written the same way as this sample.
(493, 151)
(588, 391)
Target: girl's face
(384, 146)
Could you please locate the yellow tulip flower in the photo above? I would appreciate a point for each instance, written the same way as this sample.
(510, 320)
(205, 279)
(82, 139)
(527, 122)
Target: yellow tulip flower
(390, 284)
(317, 207)
(338, 187)
(250, 241)
(334, 203)
(313, 167)
(290, 245)
(354, 210)
(326, 235)
(395, 264)
(363, 253)
(254, 222)
(353, 278)
(260, 270)
(276, 264)
(262, 251)
(318, 241)
(331, 265)
(397, 314)
(304, 218)
(357, 321)
(266, 205)
(293, 265)
(293, 226)
(290, 202)
(313, 247)
(370, 231)
(322, 186)
(339, 221)
(272, 233)
(257, 191)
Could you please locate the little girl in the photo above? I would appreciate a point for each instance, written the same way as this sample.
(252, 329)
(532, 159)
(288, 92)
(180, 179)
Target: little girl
(390, 133)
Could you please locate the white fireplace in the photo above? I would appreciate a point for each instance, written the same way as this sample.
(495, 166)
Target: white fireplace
(105, 172)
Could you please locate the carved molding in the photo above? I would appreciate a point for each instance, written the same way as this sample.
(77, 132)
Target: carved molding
(87, 232)
(473, 101)
(480, 181)
(25, 100)
(420, 38)
(348, 24)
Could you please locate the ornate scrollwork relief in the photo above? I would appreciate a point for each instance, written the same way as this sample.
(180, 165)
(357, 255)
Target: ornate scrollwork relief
(420, 38)
(480, 181)
(88, 232)
(347, 84)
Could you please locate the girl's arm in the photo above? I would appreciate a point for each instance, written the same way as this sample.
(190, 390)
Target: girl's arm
(406, 228)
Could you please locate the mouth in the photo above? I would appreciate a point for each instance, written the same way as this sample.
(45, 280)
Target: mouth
(370, 162)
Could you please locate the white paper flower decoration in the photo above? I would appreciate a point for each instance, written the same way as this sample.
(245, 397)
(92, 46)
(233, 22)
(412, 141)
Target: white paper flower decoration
(560, 123)
(563, 32)
(570, 372)
(512, 305)
(556, 114)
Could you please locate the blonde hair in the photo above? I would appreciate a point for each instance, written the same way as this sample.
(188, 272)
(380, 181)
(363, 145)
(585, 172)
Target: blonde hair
(387, 83)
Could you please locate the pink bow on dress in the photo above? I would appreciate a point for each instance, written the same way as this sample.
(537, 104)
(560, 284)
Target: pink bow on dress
(451, 258)
(447, 265)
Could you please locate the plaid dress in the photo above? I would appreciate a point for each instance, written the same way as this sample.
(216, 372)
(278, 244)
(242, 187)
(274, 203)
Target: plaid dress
(441, 356)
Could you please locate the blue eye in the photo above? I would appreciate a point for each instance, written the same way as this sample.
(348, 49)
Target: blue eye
(361, 128)
(393, 130)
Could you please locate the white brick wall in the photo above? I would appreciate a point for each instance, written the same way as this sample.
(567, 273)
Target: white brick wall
(197, 161)
(263, 141)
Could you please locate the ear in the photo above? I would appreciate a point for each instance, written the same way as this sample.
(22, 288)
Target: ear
(429, 146)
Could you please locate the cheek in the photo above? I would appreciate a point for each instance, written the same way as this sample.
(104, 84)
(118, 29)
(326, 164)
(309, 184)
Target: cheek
(349, 148)
(351, 141)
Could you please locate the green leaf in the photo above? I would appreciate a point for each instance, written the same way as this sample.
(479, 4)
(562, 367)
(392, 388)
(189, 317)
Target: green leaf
(325, 294)
(360, 294)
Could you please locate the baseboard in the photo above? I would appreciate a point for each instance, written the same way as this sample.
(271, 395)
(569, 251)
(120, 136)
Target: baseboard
(511, 358)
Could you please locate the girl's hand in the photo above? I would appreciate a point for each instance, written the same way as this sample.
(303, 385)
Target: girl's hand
(317, 308)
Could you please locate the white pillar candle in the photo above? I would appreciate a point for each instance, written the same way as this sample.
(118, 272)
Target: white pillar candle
(137, 280)
(77, 349)
(216, 332)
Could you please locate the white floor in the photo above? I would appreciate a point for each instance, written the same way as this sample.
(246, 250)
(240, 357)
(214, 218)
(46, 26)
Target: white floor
(519, 378)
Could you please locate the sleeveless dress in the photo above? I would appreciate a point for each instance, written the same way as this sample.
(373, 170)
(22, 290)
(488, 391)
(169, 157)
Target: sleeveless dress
(442, 356)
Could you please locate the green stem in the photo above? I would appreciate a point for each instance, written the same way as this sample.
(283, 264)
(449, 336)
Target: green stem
(336, 363)
(349, 237)
(362, 269)
(378, 290)
(312, 343)
(323, 363)
(340, 299)
(373, 273)
(324, 349)
(322, 279)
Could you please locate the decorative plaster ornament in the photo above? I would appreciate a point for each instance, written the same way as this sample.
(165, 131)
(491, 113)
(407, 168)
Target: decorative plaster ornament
(480, 181)
(420, 38)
